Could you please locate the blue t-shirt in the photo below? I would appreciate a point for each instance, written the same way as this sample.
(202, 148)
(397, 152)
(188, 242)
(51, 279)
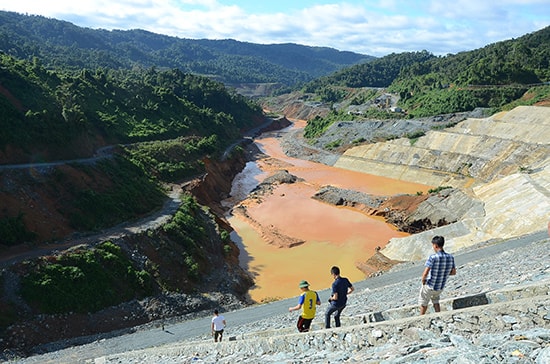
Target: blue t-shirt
(440, 265)
(340, 286)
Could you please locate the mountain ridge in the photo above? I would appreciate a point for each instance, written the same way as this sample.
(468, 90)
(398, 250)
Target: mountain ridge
(57, 42)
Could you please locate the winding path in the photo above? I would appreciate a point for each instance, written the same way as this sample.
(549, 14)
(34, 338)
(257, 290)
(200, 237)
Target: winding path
(156, 219)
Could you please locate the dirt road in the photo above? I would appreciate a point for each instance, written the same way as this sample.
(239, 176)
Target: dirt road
(156, 219)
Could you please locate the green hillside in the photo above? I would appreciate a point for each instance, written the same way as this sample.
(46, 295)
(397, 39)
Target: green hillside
(496, 76)
(51, 114)
(62, 44)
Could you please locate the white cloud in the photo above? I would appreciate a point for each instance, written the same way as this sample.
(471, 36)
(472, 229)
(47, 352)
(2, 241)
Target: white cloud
(370, 27)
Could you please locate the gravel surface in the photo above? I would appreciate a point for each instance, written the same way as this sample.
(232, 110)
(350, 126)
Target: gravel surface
(481, 268)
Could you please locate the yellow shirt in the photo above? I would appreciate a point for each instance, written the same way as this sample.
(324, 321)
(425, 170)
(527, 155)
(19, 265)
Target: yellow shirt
(308, 300)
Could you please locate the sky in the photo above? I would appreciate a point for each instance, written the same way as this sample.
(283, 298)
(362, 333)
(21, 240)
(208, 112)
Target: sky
(371, 27)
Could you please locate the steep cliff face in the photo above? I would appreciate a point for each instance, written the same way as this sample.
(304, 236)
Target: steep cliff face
(215, 185)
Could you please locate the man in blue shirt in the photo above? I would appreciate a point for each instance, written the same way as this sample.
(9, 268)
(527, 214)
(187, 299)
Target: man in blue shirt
(341, 287)
(438, 268)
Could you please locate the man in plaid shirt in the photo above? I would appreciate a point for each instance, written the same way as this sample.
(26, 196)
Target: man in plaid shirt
(439, 267)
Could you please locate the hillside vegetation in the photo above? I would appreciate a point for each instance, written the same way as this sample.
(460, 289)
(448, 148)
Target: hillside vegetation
(62, 44)
(51, 115)
(499, 76)
(56, 114)
(126, 134)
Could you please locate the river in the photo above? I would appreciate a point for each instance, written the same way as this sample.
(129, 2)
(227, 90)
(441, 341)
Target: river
(332, 235)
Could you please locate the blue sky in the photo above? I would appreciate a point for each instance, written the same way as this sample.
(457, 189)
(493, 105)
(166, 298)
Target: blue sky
(373, 27)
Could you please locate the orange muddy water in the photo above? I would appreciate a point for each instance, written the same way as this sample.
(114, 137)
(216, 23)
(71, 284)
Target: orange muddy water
(332, 235)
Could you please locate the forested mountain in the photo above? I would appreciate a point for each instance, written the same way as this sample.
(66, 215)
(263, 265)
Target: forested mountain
(492, 76)
(523, 60)
(380, 72)
(62, 44)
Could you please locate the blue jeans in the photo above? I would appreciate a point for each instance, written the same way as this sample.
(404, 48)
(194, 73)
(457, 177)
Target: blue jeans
(330, 310)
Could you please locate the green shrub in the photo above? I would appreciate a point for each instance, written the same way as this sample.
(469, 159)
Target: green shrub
(13, 231)
(413, 136)
(317, 126)
(85, 281)
(131, 193)
(334, 144)
(437, 189)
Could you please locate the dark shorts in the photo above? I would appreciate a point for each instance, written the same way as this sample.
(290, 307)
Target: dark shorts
(304, 324)
(218, 334)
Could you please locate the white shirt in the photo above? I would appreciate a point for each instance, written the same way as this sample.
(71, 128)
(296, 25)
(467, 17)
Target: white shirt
(218, 322)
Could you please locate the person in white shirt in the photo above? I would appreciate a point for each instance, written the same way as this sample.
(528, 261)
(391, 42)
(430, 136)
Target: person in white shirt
(218, 324)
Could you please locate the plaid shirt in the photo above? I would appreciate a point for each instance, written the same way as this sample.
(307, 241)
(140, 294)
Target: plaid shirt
(440, 265)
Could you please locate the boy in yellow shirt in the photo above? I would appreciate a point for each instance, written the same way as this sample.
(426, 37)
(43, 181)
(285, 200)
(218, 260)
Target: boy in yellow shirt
(308, 302)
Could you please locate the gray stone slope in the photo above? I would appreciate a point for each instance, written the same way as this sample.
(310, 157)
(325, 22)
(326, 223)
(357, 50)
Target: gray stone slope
(506, 317)
(513, 327)
(502, 161)
(483, 334)
(483, 149)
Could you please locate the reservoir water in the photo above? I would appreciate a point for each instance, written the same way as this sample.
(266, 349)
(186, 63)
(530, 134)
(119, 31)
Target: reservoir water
(332, 235)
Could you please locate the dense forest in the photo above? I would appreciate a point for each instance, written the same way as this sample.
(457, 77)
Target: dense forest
(62, 44)
(492, 76)
(496, 77)
(524, 60)
(58, 114)
(380, 72)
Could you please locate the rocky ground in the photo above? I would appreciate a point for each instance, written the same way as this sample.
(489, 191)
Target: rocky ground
(497, 344)
(349, 133)
(513, 340)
